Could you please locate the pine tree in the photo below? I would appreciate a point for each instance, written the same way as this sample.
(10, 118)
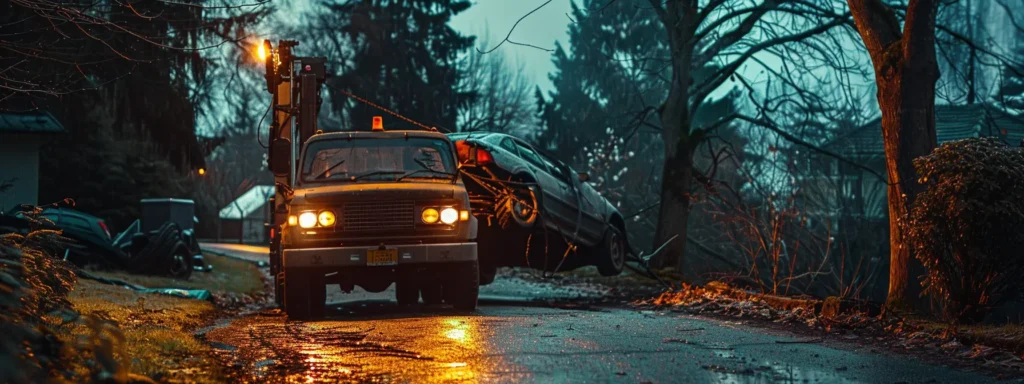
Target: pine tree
(404, 56)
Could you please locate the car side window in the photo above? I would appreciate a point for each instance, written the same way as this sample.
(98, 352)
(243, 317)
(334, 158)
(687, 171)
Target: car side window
(555, 169)
(509, 146)
(531, 156)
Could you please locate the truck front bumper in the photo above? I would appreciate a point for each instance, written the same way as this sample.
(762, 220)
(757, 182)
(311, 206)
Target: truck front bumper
(357, 256)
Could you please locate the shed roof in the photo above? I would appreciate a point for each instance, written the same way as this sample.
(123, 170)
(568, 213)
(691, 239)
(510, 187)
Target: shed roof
(29, 122)
(248, 203)
(952, 122)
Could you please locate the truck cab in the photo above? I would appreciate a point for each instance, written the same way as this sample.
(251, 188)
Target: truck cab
(366, 208)
(374, 208)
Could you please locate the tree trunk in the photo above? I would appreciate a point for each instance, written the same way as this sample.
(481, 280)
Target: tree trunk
(674, 212)
(677, 175)
(905, 73)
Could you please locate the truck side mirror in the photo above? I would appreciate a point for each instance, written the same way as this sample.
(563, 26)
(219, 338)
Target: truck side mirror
(280, 157)
(584, 177)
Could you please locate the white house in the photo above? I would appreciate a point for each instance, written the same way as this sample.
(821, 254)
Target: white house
(21, 135)
(243, 219)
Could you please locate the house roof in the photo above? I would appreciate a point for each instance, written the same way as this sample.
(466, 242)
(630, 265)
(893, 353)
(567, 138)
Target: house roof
(248, 203)
(952, 122)
(29, 122)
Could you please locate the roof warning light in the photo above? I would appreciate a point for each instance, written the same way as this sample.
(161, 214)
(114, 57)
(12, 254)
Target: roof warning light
(378, 123)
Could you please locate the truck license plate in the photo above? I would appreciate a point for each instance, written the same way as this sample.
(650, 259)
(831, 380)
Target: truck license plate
(382, 257)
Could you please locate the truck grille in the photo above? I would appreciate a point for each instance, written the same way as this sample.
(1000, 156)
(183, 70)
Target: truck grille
(379, 216)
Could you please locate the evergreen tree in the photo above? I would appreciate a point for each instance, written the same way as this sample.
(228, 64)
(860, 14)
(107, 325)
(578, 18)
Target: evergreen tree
(608, 86)
(605, 80)
(403, 56)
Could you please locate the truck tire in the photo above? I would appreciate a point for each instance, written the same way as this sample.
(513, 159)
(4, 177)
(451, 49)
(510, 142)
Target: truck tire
(304, 294)
(279, 289)
(432, 292)
(488, 271)
(462, 287)
(406, 293)
(611, 253)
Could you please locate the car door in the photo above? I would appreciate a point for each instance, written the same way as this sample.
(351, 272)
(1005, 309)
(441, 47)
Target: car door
(591, 207)
(558, 200)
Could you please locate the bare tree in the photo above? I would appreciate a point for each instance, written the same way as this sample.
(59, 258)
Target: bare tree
(906, 71)
(503, 100)
(731, 33)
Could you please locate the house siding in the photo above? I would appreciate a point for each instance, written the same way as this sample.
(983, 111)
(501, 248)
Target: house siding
(19, 166)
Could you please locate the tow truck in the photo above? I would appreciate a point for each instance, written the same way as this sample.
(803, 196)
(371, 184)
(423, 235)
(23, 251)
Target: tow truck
(361, 208)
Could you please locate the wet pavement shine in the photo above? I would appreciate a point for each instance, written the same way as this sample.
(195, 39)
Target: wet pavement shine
(516, 336)
(377, 341)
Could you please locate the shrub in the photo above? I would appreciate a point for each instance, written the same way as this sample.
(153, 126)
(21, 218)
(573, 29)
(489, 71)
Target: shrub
(37, 319)
(966, 228)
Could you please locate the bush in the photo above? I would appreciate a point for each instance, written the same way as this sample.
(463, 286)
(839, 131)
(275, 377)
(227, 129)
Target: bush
(37, 319)
(966, 228)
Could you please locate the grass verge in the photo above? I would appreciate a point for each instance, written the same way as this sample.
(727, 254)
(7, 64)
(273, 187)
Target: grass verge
(158, 330)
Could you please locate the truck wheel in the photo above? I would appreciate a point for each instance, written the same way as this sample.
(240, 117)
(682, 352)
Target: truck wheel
(487, 273)
(611, 254)
(304, 294)
(406, 293)
(279, 289)
(431, 291)
(462, 287)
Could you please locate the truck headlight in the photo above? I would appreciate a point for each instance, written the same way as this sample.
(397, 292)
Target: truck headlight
(449, 215)
(430, 216)
(307, 219)
(326, 219)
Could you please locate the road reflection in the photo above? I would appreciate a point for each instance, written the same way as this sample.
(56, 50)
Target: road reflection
(382, 346)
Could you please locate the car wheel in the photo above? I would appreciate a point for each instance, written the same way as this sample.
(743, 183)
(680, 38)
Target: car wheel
(524, 206)
(406, 293)
(462, 288)
(611, 256)
(431, 292)
(180, 265)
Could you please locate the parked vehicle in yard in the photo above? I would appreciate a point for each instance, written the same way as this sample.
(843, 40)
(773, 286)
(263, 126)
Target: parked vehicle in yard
(362, 208)
(90, 238)
(519, 190)
(157, 246)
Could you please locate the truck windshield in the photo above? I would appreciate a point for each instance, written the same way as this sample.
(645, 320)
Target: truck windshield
(368, 159)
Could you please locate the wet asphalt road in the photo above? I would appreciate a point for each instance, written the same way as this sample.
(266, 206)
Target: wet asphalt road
(368, 338)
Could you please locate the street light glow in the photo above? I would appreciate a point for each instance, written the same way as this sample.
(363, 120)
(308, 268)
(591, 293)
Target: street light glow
(261, 52)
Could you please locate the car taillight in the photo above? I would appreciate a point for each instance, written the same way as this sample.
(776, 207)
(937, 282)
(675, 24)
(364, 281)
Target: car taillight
(483, 157)
(104, 226)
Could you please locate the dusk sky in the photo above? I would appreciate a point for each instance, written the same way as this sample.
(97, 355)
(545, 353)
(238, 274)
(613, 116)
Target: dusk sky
(495, 17)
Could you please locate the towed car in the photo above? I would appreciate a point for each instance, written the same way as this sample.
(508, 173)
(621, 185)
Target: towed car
(538, 211)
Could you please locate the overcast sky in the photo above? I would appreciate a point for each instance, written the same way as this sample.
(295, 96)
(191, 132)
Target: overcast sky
(495, 17)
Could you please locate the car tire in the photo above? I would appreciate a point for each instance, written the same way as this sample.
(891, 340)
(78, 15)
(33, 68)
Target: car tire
(305, 294)
(180, 262)
(525, 219)
(431, 292)
(462, 288)
(611, 256)
(406, 293)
